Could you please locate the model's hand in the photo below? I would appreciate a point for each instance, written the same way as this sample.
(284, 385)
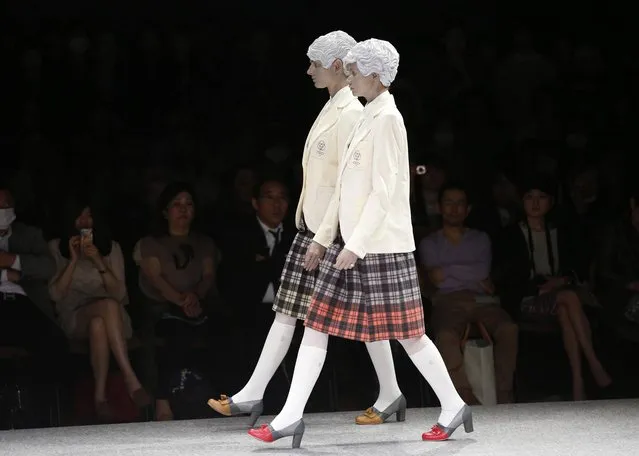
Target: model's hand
(346, 260)
(314, 254)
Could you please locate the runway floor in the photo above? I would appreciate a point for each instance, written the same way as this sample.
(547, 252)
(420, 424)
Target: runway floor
(541, 429)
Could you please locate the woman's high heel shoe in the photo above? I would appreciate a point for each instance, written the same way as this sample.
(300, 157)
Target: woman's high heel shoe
(225, 406)
(440, 432)
(374, 416)
(266, 433)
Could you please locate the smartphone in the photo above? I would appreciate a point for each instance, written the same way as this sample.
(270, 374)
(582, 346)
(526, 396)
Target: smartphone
(420, 170)
(86, 236)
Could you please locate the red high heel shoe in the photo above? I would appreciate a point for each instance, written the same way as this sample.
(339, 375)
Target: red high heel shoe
(267, 434)
(440, 432)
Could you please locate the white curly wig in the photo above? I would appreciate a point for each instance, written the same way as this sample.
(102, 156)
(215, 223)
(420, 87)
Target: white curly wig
(375, 56)
(330, 47)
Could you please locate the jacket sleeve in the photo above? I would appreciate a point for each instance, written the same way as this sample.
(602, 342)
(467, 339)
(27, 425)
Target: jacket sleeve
(328, 228)
(37, 263)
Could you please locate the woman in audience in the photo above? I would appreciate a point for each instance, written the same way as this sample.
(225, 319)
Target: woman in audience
(617, 268)
(90, 293)
(177, 276)
(543, 269)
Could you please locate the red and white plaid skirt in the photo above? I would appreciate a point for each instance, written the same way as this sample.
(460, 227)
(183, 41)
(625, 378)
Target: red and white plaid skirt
(379, 299)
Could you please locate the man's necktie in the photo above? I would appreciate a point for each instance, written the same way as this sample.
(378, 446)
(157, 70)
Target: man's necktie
(276, 236)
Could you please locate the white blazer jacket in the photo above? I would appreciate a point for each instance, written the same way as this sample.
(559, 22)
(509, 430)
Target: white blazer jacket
(324, 148)
(371, 200)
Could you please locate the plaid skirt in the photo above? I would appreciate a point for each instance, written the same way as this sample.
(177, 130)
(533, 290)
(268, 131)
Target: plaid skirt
(296, 283)
(546, 304)
(379, 299)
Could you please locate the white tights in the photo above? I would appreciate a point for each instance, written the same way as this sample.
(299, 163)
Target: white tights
(310, 361)
(425, 356)
(276, 345)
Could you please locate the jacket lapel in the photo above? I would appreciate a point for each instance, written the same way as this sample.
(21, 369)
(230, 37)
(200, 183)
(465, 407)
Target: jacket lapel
(327, 119)
(363, 127)
(309, 137)
(257, 234)
(361, 130)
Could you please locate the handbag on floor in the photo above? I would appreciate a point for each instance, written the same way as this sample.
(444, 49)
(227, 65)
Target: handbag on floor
(190, 390)
(479, 365)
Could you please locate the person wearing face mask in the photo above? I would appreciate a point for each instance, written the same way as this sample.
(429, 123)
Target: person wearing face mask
(26, 316)
(324, 148)
(368, 289)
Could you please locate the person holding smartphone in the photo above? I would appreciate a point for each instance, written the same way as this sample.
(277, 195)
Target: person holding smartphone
(90, 294)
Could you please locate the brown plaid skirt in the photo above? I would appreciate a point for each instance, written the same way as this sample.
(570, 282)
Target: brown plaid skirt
(379, 299)
(296, 283)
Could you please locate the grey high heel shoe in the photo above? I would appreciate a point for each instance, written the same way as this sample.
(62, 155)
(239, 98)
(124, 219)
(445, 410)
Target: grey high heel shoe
(266, 433)
(441, 432)
(227, 407)
(374, 416)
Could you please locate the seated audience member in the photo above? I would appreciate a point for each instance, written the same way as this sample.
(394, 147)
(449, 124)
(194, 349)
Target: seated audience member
(177, 274)
(501, 209)
(26, 315)
(90, 293)
(253, 257)
(617, 268)
(458, 263)
(542, 268)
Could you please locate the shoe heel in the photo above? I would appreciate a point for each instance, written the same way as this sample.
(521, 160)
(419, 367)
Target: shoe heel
(255, 414)
(401, 415)
(468, 424)
(297, 439)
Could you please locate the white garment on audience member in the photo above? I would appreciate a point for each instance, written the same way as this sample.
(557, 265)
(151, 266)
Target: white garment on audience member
(7, 286)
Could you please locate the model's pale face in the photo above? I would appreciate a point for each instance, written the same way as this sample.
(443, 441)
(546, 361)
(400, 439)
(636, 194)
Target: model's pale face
(321, 76)
(361, 86)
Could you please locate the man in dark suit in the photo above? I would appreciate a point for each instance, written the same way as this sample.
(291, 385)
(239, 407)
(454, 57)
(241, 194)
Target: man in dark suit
(254, 253)
(26, 316)
(253, 257)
